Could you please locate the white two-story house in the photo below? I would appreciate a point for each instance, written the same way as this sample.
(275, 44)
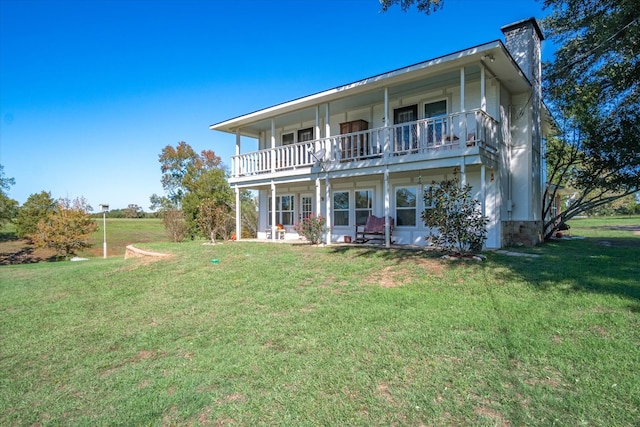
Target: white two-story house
(376, 146)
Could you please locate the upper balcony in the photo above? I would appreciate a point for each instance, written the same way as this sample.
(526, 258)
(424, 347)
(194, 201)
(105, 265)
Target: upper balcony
(468, 133)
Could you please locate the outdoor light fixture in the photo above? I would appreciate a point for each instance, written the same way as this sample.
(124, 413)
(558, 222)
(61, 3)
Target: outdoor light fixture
(104, 208)
(490, 58)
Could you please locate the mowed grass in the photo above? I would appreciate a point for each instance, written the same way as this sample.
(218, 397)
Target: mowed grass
(280, 334)
(122, 232)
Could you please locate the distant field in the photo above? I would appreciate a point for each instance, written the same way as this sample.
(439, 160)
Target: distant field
(606, 226)
(282, 334)
(122, 232)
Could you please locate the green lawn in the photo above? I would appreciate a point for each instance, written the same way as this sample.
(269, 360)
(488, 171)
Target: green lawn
(280, 334)
(125, 231)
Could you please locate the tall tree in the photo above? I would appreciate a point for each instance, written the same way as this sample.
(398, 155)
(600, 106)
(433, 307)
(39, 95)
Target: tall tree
(175, 163)
(593, 86)
(68, 230)
(189, 178)
(8, 206)
(38, 207)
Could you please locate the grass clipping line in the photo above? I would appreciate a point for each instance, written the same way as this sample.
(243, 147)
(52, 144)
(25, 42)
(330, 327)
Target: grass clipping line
(133, 252)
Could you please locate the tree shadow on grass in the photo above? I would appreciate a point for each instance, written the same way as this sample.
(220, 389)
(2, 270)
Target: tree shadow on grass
(606, 266)
(397, 254)
(14, 250)
(597, 265)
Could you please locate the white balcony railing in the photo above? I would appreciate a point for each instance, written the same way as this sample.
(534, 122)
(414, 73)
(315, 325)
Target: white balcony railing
(457, 131)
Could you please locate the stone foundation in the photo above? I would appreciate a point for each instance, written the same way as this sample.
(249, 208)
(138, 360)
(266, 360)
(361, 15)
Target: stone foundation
(521, 233)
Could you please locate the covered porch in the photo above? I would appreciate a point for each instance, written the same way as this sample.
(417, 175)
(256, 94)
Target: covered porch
(451, 135)
(395, 191)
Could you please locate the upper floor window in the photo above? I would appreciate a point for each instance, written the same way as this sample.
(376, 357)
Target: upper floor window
(305, 135)
(406, 211)
(435, 109)
(287, 138)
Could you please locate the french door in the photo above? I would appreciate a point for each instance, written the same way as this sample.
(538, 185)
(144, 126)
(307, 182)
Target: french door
(306, 206)
(406, 136)
(437, 127)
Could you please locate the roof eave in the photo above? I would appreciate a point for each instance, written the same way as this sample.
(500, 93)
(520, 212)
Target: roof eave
(351, 89)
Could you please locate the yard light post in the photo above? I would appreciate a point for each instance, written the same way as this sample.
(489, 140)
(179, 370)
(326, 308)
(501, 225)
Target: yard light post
(104, 208)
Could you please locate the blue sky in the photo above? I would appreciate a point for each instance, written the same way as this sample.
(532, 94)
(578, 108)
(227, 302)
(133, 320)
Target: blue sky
(92, 90)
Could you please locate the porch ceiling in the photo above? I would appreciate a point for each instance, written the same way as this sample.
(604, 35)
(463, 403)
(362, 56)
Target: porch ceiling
(421, 77)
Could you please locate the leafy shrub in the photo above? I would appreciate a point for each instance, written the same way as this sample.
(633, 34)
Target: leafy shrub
(215, 220)
(456, 217)
(312, 228)
(175, 225)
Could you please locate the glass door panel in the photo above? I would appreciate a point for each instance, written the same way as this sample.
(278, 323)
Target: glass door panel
(406, 136)
(306, 207)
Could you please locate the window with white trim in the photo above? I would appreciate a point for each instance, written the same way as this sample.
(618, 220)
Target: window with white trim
(284, 210)
(305, 135)
(406, 206)
(427, 195)
(340, 208)
(287, 138)
(364, 205)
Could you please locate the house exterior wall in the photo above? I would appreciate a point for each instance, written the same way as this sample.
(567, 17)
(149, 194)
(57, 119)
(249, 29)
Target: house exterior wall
(502, 162)
(404, 235)
(510, 176)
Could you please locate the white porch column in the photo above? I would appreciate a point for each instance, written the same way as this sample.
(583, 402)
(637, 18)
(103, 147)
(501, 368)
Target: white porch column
(462, 90)
(463, 173)
(387, 209)
(273, 146)
(483, 90)
(237, 167)
(238, 215)
(327, 133)
(483, 189)
(462, 119)
(386, 149)
(327, 201)
(273, 210)
(318, 197)
(316, 134)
